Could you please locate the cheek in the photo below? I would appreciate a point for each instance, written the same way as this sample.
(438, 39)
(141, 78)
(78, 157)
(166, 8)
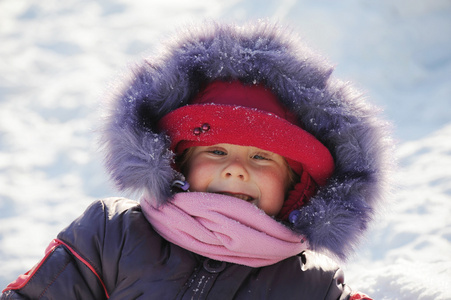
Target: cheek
(277, 190)
(276, 181)
(273, 191)
(273, 185)
(272, 200)
(199, 175)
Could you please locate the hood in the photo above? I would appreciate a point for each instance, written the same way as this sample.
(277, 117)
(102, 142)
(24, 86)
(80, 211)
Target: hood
(138, 158)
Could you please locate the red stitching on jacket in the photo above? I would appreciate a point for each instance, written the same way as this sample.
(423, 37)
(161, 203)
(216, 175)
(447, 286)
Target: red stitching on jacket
(86, 263)
(54, 279)
(22, 280)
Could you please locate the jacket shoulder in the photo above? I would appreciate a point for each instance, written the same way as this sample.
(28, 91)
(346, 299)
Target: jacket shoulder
(323, 274)
(98, 218)
(76, 255)
(114, 236)
(97, 223)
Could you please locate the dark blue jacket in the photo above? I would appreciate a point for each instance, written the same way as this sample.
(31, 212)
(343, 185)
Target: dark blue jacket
(111, 251)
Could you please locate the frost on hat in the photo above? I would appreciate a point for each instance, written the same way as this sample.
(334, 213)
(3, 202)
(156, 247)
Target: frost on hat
(247, 115)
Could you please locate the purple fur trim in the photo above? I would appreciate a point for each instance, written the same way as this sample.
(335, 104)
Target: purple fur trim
(139, 161)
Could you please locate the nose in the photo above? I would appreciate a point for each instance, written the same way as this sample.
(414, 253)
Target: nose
(235, 169)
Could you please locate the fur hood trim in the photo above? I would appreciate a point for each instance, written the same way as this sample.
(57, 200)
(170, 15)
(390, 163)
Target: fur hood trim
(137, 155)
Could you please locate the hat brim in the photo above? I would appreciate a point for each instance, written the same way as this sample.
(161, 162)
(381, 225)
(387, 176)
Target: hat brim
(245, 126)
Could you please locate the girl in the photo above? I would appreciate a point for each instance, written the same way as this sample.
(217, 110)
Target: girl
(251, 160)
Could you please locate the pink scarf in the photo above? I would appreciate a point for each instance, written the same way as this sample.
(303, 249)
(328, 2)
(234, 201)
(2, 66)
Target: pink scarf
(223, 228)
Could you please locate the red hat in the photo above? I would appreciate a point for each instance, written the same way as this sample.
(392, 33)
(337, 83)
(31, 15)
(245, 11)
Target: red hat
(247, 115)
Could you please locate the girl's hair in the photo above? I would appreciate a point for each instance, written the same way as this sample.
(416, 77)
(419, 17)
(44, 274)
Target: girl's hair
(182, 161)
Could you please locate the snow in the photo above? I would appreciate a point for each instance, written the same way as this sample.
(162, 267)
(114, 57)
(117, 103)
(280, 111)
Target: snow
(58, 57)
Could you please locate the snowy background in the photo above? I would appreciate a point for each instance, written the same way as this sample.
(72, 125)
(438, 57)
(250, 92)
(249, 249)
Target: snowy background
(57, 57)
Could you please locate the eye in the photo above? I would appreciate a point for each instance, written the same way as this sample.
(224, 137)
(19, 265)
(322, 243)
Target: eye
(217, 152)
(260, 157)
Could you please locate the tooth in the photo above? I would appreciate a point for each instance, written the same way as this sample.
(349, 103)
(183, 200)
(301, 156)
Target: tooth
(239, 196)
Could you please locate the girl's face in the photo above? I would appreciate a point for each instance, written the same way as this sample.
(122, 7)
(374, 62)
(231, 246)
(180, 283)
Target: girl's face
(248, 173)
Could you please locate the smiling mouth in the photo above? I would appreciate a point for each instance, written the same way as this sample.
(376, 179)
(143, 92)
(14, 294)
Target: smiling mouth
(239, 196)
